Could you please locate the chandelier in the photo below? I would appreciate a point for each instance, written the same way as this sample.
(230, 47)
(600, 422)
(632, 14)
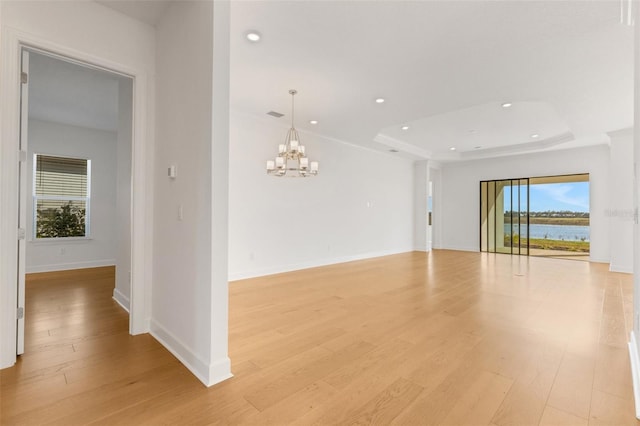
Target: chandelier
(291, 160)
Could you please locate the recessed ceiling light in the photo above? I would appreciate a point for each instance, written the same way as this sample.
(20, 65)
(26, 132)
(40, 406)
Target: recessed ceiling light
(313, 121)
(477, 147)
(253, 36)
(453, 148)
(405, 127)
(506, 104)
(535, 135)
(473, 131)
(393, 150)
(379, 100)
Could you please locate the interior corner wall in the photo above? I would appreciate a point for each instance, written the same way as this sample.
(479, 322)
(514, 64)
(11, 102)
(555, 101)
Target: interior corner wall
(461, 198)
(99, 146)
(181, 301)
(360, 205)
(620, 206)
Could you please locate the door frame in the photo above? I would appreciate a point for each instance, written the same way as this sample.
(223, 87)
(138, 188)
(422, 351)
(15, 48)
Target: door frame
(141, 228)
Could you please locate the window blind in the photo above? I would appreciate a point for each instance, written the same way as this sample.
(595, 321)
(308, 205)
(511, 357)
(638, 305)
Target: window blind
(60, 176)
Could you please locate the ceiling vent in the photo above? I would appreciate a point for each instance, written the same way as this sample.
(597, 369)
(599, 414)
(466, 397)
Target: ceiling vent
(275, 114)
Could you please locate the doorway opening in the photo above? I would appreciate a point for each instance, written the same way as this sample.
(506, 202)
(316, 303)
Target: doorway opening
(75, 180)
(537, 216)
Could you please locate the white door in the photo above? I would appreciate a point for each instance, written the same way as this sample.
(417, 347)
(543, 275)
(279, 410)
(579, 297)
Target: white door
(22, 202)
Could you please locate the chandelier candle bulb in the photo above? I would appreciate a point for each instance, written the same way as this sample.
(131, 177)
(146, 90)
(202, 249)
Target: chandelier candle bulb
(314, 166)
(301, 149)
(280, 162)
(294, 145)
(304, 163)
(282, 148)
(271, 165)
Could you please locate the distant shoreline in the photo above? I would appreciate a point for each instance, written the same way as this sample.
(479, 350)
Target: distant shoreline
(578, 221)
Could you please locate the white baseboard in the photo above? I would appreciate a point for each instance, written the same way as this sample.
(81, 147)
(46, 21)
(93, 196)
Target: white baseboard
(635, 371)
(122, 300)
(620, 268)
(69, 266)
(219, 371)
(260, 272)
(461, 248)
(207, 374)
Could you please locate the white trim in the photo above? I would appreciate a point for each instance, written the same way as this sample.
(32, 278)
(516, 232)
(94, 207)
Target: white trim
(69, 266)
(312, 264)
(12, 41)
(635, 371)
(209, 375)
(461, 248)
(621, 268)
(121, 299)
(420, 248)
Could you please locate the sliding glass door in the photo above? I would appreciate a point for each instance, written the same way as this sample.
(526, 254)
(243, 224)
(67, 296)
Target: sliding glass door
(504, 216)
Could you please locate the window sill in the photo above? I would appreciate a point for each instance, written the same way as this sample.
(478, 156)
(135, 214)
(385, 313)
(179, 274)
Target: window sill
(63, 240)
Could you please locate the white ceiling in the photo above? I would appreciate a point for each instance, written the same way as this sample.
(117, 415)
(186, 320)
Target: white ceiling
(68, 93)
(444, 68)
(147, 11)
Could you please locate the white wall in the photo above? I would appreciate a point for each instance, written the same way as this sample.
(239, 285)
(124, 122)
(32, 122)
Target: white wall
(620, 207)
(185, 273)
(99, 146)
(88, 31)
(460, 192)
(360, 205)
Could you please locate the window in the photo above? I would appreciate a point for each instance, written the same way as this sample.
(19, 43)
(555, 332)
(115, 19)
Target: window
(61, 196)
(537, 216)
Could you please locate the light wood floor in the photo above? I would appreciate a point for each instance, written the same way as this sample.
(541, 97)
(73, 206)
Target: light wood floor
(447, 338)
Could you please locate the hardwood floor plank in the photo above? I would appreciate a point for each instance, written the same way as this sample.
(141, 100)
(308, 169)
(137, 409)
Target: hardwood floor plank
(481, 401)
(607, 409)
(296, 380)
(526, 400)
(296, 405)
(572, 387)
(554, 417)
(613, 372)
(383, 408)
